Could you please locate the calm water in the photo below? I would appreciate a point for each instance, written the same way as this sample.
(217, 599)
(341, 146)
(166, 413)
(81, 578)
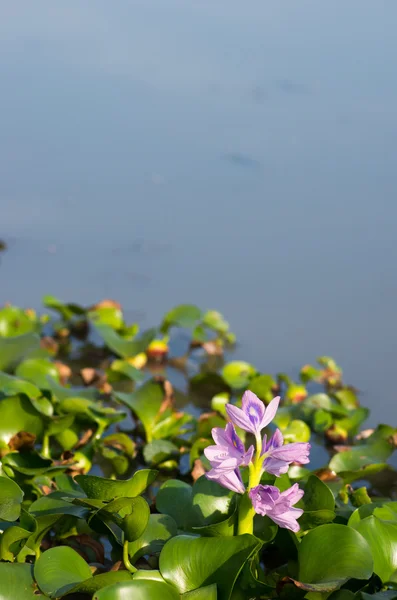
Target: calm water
(238, 155)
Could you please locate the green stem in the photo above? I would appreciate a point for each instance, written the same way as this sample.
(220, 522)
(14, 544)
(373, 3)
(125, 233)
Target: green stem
(126, 559)
(45, 448)
(246, 511)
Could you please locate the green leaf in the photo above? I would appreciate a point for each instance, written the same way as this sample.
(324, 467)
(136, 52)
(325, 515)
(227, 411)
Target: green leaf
(14, 349)
(121, 346)
(108, 489)
(174, 498)
(37, 371)
(60, 569)
(145, 402)
(209, 592)
(184, 315)
(139, 589)
(27, 463)
(238, 373)
(361, 456)
(158, 451)
(382, 539)
(159, 530)
(15, 322)
(11, 386)
(16, 582)
(135, 522)
(262, 386)
(347, 398)
(57, 503)
(319, 504)
(331, 554)
(107, 315)
(93, 584)
(296, 431)
(211, 503)
(11, 497)
(124, 367)
(67, 311)
(190, 563)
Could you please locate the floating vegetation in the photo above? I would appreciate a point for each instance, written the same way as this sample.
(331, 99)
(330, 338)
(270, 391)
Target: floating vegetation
(152, 465)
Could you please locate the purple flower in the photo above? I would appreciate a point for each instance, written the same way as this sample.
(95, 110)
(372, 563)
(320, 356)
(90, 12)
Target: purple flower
(278, 457)
(267, 500)
(231, 480)
(226, 457)
(253, 416)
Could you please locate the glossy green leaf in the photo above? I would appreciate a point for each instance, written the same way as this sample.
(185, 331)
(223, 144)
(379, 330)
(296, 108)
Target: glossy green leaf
(60, 569)
(211, 503)
(98, 582)
(238, 373)
(382, 539)
(27, 463)
(158, 451)
(174, 498)
(15, 322)
(37, 371)
(296, 431)
(209, 592)
(16, 582)
(184, 315)
(11, 497)
(190, 563)
(108, 489)
(17, 414)
(125, 348)
(319, 504)
(14, 349)
(66, 310)
(107, 315)
(139, 589)
(262, 386)
(123, 367)
(361, 456)
(331, 554)
(159, 530)
(145, 402)
(57, 503)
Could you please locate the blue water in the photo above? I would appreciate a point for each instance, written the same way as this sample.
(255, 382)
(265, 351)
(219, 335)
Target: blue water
(238, 155)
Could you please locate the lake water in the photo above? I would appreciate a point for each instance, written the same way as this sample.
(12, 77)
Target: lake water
(237, 155)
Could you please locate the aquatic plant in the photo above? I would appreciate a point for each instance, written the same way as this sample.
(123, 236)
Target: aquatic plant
(152, 465)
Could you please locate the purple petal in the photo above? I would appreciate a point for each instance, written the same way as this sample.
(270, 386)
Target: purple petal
(275, 467)
(239, 418)
(248, 456)
(293, 494)
(231, 481)
(220, 436)
(267, 500)
(254, 409)
(264, 498)
(297, 452)
(287, 520)
(270, 412)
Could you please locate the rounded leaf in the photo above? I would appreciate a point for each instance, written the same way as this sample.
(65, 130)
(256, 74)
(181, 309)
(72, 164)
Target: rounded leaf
(190, 563)
(11, 497)
(16, 582)
(141, 589)
(59, 570)
(332, 554)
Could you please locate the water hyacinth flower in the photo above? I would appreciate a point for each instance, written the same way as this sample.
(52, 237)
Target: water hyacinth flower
(253, 416)
(278, 457)
(267, 500)
(226, 456)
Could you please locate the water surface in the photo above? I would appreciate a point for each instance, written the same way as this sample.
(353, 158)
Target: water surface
(241, 156)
